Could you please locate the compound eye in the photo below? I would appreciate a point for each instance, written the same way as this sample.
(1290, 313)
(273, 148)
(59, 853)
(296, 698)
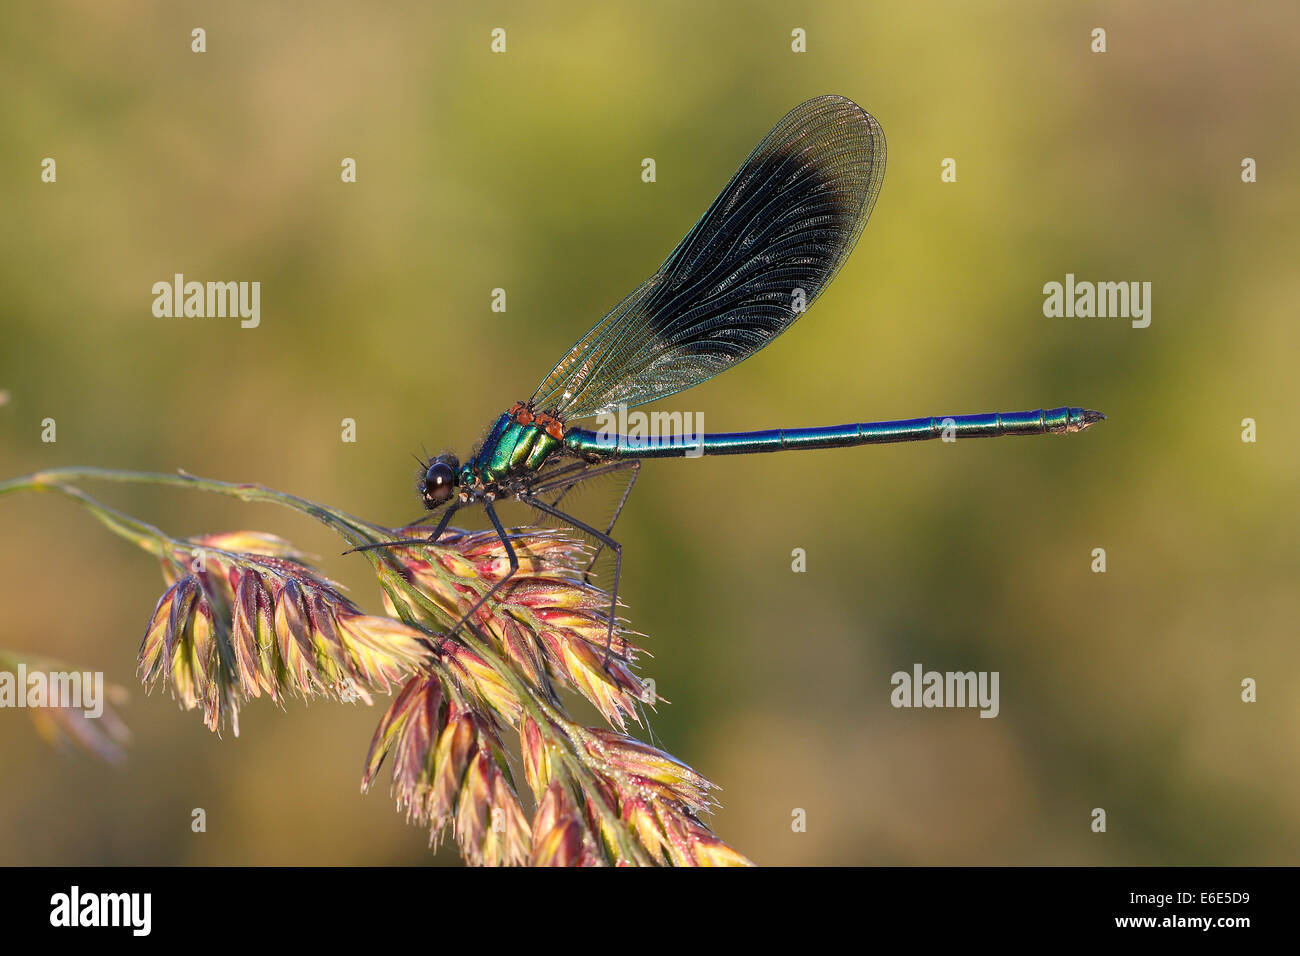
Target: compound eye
(439, 483)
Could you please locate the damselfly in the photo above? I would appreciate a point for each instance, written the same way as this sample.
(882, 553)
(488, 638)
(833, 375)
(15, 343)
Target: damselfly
(766, 248)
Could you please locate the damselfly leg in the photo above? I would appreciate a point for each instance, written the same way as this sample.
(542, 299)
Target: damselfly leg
(633, 465)
(510, 556)
(605, 541)
(450, 510)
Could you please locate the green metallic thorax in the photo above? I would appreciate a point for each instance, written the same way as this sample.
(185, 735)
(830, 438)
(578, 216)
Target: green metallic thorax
(509, 449)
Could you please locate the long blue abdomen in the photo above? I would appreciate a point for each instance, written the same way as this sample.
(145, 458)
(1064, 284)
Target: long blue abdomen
(992, 425)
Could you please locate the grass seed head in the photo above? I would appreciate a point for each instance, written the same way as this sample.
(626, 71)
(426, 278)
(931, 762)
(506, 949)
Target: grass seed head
(234, 625)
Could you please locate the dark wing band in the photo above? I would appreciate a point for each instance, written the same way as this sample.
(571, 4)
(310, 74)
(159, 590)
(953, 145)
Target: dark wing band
(762, 253)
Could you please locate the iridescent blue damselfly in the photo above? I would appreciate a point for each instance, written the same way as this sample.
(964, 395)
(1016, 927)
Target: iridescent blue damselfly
(770, 243)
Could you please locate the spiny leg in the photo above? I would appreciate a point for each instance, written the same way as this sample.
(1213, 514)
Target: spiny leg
(635, 465)
(410, 542)
(566, 481)
(559, 476)
(437, 532)
(569, 485)
(572, 482)
(604, 539)
(442, 525)
(510, 556)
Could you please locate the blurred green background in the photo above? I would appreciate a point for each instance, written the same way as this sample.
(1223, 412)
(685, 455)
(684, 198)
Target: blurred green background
(1118, 690)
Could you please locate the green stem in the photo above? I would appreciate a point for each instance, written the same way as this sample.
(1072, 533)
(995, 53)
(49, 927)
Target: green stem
(353, 529)
(144, 535)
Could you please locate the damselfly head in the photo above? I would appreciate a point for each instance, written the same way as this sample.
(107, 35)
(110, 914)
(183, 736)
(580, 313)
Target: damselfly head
(438, 482)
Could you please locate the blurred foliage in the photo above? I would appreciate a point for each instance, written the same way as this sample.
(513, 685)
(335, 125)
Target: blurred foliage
(522, 171)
